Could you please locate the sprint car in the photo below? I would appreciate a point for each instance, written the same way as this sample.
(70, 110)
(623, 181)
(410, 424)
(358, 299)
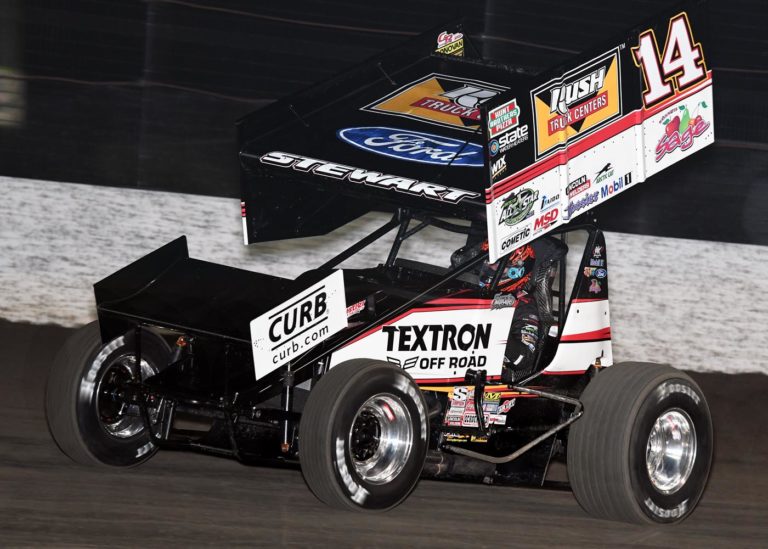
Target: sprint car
(372, 376)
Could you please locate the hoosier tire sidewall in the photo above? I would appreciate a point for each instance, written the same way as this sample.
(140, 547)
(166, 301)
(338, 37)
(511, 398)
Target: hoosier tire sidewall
(104, 447)
(672, 393)
(324, 448)
(362, 493)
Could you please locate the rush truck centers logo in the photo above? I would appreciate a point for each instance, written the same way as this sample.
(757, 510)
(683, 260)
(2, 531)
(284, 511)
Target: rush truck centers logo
(438, 99)
(582, 100)
(283, 333)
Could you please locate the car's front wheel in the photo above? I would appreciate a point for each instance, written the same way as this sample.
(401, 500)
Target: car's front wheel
(363, 436)
(643, 448)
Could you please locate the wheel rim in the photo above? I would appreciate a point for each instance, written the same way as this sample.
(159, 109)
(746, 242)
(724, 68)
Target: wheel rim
(671, 451)
(381, 438)
(118, 418)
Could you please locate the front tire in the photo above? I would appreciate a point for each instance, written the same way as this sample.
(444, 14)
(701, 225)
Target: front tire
(86, 416)
(642, 451)
(363, 436)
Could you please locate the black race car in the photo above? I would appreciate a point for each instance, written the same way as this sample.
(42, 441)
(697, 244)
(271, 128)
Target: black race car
(370, 378)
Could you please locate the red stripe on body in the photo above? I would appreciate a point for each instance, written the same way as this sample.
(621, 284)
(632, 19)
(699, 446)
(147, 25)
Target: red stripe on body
(602, 333)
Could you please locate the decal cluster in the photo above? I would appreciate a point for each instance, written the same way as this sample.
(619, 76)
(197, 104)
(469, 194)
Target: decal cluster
(599, 128)
(461, 407)
(362, 176)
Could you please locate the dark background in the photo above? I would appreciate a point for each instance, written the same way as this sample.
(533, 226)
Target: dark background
(145, 93)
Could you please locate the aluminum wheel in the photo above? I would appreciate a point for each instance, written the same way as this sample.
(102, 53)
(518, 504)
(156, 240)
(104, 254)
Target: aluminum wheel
(117, 417)
(381, 438)
(671, 451)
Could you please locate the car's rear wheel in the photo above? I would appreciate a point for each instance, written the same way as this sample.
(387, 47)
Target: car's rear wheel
(643, 448)
(363, 436)
(88, 413)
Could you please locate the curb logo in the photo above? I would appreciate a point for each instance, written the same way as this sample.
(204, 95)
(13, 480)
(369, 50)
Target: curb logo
(579, 102)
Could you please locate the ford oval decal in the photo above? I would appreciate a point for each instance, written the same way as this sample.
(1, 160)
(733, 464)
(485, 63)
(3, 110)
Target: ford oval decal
(415, 146)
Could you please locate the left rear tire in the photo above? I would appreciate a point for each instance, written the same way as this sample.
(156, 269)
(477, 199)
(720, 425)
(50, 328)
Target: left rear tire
(87, 417)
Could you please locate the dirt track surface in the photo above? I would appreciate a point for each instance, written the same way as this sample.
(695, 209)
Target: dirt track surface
(187, 499)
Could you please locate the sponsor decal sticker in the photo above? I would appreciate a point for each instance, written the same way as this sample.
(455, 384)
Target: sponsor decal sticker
(414, 146)
(503, 118)
(362, 176)
(578, 186)
(681, 128)
(549, 201)
(288, 330)
(439, 99)
(511, 242)
(355, 308)
(450, 43)
(606, 172)
(498, 167)
(594, 287)
(607, 190)
(596, 272)
(582, 100)
(502, 301)
(583, 202)
(518, 206)
(508, 140)
(546, 220)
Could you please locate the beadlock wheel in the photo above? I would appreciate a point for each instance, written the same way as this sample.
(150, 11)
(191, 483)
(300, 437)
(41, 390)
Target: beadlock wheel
(381, 438)
(363, 436)
(671, 451)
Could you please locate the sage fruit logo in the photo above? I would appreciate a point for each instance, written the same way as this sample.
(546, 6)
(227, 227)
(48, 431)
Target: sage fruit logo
(518, 207)
(579, 102)
(425, 148)
(681, 128)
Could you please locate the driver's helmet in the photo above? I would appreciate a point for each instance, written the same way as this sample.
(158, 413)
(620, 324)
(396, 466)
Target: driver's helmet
(517, 270)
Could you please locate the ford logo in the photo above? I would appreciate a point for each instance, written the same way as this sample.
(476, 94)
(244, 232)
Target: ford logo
(414, 146)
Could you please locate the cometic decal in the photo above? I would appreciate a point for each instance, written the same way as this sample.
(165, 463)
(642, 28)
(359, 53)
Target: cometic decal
(425, 148)
(438, 99)
(285, 332)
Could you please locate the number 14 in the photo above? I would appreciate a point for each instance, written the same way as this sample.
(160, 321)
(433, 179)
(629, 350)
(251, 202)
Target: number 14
(678, 68)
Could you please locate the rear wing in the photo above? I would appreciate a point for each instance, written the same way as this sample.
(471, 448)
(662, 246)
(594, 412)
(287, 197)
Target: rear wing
(432, 127)
(596, 126)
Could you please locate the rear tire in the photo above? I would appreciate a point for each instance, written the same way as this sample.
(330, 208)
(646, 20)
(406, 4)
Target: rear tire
(363, 436)
(88, 424)
(642, 451)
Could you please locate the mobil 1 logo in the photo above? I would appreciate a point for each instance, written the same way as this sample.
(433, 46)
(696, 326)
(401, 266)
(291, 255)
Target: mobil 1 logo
(286, 331)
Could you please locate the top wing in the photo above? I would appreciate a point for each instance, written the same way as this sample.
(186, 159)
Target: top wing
(589, 130)
(403, 129)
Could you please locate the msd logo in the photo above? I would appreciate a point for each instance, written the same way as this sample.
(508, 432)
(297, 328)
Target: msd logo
(425, 148)
(544, 221)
